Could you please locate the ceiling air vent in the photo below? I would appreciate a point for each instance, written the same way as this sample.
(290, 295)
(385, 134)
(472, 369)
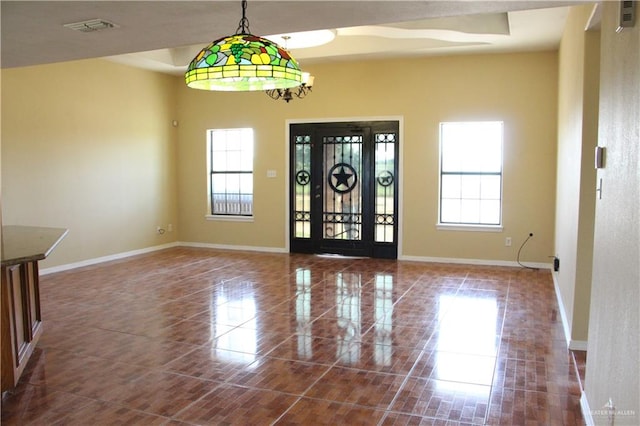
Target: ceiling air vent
(91, 25)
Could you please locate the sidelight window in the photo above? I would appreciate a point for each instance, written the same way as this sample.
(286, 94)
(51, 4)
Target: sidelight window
(471, 173)
(230, 171)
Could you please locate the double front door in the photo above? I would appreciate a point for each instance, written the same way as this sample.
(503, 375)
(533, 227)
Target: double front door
(344, 188)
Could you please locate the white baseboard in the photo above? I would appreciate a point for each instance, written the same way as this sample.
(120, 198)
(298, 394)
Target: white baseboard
(563, 314)
(586, 410)
(484, 262)
(117, 256)
(103, 259)
(232, 247)
(123, 255)
(576, 345)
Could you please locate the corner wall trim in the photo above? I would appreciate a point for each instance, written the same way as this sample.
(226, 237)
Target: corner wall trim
(107, 258)
(586, 410)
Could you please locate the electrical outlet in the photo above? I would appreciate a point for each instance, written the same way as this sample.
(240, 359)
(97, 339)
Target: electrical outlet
(507, 242)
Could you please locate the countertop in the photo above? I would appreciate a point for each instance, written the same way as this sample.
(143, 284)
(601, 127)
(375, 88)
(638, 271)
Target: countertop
(28, 243)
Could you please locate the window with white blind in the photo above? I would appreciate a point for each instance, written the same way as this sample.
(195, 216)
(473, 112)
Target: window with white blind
(471, 173)
(230, 172)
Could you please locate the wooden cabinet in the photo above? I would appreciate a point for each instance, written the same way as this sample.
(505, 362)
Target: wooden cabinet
(21, 319)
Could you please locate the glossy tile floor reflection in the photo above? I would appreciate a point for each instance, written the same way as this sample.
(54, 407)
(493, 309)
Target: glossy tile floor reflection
(198, 336)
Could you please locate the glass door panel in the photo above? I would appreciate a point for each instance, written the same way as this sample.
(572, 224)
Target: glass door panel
(385, 160)
(342, 167)
(302, 187)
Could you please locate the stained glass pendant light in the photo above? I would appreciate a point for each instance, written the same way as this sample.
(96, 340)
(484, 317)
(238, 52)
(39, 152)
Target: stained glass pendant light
(243, 62)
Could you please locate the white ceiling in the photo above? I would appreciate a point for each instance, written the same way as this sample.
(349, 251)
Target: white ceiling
(166, 35)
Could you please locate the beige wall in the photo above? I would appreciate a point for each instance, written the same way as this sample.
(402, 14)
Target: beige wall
(520, 89)
(613, 369)
(575, 194)
(89, 146)
(580, 328)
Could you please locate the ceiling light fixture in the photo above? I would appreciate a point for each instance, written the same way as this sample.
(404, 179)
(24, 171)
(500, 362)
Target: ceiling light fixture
(299, 92)
(243, 62)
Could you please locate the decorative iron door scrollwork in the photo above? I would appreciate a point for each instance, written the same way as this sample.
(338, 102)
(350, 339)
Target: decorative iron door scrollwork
(342, 207)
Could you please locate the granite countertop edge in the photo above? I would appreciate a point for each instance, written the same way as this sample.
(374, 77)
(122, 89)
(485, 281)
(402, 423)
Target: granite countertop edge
(21, 244)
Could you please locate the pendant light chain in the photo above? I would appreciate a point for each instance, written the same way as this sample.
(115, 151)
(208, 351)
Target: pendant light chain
(243, 25)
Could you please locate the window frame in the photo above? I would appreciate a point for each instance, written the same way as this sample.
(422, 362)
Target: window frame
(470, 226)
(228, 216)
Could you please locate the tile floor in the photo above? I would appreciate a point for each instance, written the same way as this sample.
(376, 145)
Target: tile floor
(196, 336)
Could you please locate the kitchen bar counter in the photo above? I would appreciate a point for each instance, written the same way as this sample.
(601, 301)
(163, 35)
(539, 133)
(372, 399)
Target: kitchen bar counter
(28, 243)
(21, 322)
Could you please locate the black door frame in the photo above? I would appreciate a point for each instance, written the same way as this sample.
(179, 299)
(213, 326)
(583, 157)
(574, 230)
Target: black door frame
(317, 243)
